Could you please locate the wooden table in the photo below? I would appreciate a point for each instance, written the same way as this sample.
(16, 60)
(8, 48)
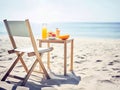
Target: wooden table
(65, 51)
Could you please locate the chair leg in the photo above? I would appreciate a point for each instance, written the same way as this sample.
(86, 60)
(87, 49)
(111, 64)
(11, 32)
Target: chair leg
(29, 73)
(24, 65)
(43, 68)
(40, 68)
(11, 68)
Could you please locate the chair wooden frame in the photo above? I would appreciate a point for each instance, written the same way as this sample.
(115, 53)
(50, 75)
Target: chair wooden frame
(19, 54)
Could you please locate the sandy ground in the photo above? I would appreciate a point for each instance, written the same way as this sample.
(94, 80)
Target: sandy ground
(96, 66)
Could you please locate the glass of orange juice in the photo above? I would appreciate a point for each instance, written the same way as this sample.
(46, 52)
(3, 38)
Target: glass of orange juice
(57, 32)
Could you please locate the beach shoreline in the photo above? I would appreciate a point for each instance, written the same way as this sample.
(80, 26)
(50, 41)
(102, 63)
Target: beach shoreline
(96, 66)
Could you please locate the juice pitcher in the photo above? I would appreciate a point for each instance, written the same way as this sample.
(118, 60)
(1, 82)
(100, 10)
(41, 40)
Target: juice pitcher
(44, 31)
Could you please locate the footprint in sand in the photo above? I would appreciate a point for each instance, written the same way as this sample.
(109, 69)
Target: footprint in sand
(2, 67)
(2, 60)
(116, 61)
(2, 50)
(115, 69)
(110, 63)
(0, 55)
(106, 85)
(113, 62)
(81, 57)
(118, 72)
(105, 81)
(77, 56)
(116, 79)
(105, 70)
(9, 58)
(116, 76)
(81, 61)
(55, 56)
(116, 55)
(98, 60)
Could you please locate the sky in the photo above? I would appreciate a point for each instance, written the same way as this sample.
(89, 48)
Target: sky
(61, 10)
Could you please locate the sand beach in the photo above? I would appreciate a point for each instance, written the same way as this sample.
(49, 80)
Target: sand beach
(96, 67)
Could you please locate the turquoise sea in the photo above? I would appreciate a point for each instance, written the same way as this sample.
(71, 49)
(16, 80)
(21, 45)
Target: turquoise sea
(78, 29)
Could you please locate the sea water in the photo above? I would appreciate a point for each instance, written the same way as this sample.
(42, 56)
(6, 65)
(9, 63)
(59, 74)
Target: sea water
(78, 29)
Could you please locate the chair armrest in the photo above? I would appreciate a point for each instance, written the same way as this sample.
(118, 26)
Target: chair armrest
(41, 51)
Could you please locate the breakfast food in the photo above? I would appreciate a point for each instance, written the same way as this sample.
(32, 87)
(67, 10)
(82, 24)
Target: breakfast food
(64, 37)
(51, 35)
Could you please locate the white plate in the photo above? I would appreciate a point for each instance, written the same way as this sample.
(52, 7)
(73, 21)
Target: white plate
(52, 38)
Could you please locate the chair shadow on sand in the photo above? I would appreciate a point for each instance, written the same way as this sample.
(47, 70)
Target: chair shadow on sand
(58, 80)
(2, 88)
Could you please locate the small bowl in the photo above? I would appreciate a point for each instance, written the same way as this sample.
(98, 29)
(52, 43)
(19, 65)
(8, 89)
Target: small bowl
(64, 37)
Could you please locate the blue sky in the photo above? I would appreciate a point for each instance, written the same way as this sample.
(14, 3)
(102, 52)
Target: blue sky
(61, 10)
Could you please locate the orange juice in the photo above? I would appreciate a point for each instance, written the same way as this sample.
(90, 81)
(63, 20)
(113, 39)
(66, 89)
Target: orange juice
(57, 32)
(44, 32)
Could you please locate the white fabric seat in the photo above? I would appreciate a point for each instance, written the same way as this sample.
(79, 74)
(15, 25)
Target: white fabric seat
(30, 50)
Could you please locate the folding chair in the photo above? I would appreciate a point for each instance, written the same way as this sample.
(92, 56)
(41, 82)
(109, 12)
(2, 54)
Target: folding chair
(23, 29)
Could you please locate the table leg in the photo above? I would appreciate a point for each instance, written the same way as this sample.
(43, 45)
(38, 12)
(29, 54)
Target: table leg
(40, 45)
(71, 62)
(48, 57)
(65, 57)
